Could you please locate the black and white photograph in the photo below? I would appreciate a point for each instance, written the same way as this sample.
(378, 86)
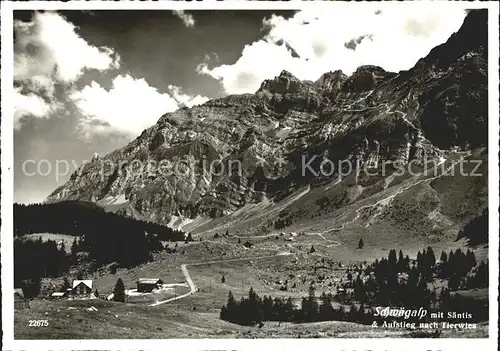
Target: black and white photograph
(262, 171)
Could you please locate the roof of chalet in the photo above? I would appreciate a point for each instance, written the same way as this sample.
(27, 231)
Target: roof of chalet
(149, 280)
(88, 283)
(19, 293)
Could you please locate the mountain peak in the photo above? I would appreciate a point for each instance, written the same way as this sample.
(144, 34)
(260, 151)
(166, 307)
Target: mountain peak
(366, 77)
(368, 115)
(331, 80)
(471, 38)
(286, 74)
(286, 82)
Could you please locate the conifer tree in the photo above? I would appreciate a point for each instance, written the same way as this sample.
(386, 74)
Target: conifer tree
(419, 259)
(361, 314)
(392, 258)
(325, 309)
(471, 259)
(431, 258)
(267, 308)
(66, 284)
(407, 264)
(444, 257)
(230, 309)
(450, 265)
(74, 247)
(254, 307)
(482, 276)
(310, 306)
(361, 244)
(288, 309)
(353, 312)
(401, 262)
(444, 264)
(359, 289)
(119, 291)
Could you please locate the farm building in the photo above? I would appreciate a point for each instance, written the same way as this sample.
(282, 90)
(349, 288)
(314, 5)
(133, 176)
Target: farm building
(82, 287)
(148, 284)
(58, 295)
(20, 302)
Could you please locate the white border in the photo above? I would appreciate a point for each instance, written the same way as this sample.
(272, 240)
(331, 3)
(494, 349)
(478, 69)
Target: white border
(241, 344)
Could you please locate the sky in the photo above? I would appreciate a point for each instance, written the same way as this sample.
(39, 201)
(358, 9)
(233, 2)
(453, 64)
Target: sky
(89, 82)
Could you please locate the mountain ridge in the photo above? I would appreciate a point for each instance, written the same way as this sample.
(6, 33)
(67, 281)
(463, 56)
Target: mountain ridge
(373, 116)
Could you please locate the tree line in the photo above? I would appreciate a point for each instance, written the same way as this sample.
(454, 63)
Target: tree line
(462, 271)
(396, 280)
(107, 237)
(36, 259)
(392, 281)
(254, 310)
(476, 230)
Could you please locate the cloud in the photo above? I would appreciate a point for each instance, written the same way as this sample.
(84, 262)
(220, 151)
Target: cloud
(313, 42)
(49, 53)
(30, 105)
(351, 44)
(50, 46)
(248, 72)
(129, 106)
(186, 18)
(50, 57)
(185, 99)
(211, 57)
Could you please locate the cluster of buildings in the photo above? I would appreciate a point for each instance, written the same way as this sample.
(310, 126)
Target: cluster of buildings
(80, 288)
(84, 289)
(148, 284)
(20, 302)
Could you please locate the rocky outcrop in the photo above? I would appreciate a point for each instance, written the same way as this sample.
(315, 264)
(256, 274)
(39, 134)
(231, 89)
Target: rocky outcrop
(283, 84)
(211, 160)
(366, 78)
(331, 81)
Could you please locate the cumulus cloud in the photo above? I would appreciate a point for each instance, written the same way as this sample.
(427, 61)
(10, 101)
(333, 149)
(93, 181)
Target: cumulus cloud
(186, 18)
(129, 106)
(313, 42)
(49, 46)
(351, 44)
(249, 71)
(185, 99)
(48, 52)
(30, 104)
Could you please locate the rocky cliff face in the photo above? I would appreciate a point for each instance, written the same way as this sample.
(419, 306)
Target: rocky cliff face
(213, 159)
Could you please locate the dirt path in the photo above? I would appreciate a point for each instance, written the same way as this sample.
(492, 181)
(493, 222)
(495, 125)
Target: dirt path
(333, 242)
(192, 285)
(387, 200)
(384, 202)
